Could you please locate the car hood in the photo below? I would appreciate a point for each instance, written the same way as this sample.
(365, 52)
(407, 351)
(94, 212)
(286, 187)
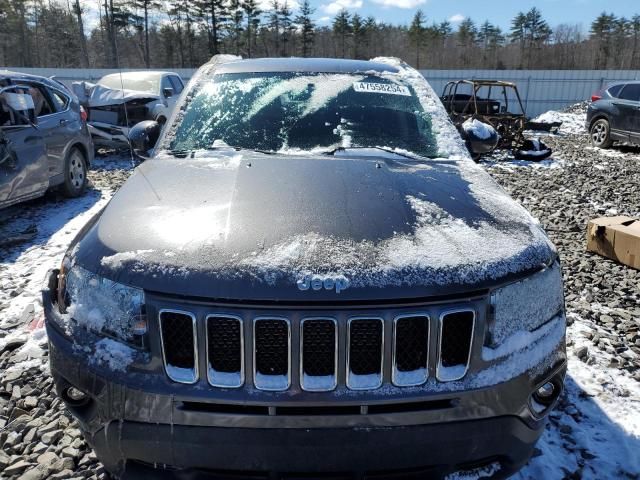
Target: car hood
(249, 226)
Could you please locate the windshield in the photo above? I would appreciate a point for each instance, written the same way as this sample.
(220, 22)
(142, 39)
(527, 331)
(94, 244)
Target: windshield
(302, 111)
(140, 83)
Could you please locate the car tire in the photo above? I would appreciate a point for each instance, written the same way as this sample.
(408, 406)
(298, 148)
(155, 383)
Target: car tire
(75, 173)
(600, 134)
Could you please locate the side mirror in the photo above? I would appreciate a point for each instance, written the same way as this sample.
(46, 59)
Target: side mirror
(167, 92)
(479, 136)
(143, 137)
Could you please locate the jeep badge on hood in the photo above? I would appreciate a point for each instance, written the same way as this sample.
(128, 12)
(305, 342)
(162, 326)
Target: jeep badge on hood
(328, 282)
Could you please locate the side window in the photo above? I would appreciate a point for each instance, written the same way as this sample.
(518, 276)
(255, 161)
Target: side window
(615, 90)
(166, 84)
(41, 100)
(59, 100)
(177, 84)
(631, 91)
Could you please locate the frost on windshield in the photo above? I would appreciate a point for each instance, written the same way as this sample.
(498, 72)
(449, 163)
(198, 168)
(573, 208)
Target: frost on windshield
(305, 112)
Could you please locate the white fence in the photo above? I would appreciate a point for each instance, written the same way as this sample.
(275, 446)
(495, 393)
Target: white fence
(540, 90)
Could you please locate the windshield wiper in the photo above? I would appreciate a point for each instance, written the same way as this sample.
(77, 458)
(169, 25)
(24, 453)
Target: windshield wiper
(192, 151)
(415, 156)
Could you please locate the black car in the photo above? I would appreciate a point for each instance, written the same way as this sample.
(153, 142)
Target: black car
(614, 115)
(44, 139)
(309, 278)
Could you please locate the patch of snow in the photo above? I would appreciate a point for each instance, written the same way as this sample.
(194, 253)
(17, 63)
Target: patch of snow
(572, 123)
(478, 129)
(520, 340)
(475, 473)
(527, 304)
(116, 260)
(112, 354)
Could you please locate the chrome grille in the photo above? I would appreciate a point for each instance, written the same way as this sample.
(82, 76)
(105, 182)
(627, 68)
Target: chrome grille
(323, 361)
(178, 337)
(364, 353)
(225, 352)
(318, 354)
(456, 338)
(410, 350)
(271, 353)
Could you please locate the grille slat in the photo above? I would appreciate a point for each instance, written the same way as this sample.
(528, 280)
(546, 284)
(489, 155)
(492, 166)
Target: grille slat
(364, 353)
(225, 351)
(271, 337)
(318, 354)
(456, 336)
(411, 350)
(178, 336)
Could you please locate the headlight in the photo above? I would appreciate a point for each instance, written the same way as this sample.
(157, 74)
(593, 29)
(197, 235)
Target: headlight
(102, 306)
(525, 305)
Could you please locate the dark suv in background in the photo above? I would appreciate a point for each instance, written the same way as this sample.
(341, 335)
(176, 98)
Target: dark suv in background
(614, 115)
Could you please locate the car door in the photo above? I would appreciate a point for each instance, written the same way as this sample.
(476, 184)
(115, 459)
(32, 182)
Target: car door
(631, 96)
(626, 117)
(53, 122)
(23, 160)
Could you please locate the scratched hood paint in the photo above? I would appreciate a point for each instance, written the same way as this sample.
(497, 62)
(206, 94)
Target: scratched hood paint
(238, 225)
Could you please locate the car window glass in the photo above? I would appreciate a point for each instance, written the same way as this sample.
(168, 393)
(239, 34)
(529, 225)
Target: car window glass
(59, 100)
(166, 83)
(177, 84)
(615, 90)
(306, 111)
(41, 100)
(631, 92)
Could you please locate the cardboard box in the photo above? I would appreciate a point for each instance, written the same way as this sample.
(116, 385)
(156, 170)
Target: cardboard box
(617, 238)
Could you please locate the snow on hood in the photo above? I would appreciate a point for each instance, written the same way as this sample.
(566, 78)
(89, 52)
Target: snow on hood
(96, 95)
(228, 220)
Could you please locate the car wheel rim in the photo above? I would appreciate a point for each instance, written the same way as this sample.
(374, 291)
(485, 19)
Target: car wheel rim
(76, 172)
(599, 133)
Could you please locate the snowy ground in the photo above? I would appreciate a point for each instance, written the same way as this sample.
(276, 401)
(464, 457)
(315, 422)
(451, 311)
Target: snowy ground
(593, 434)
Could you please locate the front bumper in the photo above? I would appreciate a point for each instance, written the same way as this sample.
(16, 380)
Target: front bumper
(142, 425)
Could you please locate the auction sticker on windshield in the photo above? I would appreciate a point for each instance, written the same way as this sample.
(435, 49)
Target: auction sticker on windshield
(389, 88)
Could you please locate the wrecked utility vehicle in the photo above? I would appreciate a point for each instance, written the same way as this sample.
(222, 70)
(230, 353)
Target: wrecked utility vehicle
(489, 115)
(309, 277)
(120, 100)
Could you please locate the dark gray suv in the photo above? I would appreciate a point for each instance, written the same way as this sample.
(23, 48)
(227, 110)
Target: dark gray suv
(614, 115)
(309, 278)
(44, 140)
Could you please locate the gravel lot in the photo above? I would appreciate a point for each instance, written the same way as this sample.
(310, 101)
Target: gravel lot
(594, 433)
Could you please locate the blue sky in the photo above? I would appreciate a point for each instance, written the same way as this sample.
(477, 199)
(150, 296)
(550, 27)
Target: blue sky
(499, 12)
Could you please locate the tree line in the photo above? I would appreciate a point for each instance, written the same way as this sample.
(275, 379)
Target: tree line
(186, 33)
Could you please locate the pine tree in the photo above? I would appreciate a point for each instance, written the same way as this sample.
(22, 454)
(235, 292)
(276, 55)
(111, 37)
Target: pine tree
(417, 34)
(286, 24)
(342, 29)
(252, 13)
(305, 25)
(146, 6)
(359, 32)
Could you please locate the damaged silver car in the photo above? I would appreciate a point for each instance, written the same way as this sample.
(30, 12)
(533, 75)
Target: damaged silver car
(44, 140)
(120, 100)
(309, 278)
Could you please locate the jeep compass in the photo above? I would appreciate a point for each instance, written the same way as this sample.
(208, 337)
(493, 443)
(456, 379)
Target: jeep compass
(308, 278)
